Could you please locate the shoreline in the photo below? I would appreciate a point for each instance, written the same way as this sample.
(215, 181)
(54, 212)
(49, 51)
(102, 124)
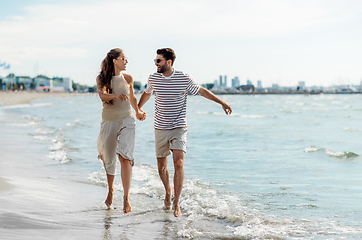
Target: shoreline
(25, 97)
(280, 93)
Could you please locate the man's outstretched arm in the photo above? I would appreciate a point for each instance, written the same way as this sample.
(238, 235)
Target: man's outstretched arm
(209, 95)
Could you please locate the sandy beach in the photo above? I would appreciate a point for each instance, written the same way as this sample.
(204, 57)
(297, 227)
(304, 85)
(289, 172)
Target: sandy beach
(22, 97)
(35, 203)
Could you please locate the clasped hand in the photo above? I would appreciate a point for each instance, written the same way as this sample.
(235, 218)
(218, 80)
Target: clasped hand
(141, 115)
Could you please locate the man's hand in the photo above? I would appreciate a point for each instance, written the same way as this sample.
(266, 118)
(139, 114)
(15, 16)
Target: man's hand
(227, 108)
(141, 115)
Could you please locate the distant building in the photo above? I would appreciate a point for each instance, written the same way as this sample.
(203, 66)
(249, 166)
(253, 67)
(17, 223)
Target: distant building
(16, 82)
(208, 86)
(220, 81)
(259, 84)
(275, 87)
(246, 88)
(259, 87)
(216, 83)
(225, 81)
(248, 82)
(67, 84)
(235, 82)
(55, 84)
(42, 83)
(301, 86)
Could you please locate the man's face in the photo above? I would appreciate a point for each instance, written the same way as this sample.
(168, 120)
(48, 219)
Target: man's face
(161, 63)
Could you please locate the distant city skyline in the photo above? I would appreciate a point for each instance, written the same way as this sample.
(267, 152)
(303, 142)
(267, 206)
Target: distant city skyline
(277, 41)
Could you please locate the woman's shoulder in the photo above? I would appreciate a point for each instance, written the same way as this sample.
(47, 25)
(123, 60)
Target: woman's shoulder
(128, 77)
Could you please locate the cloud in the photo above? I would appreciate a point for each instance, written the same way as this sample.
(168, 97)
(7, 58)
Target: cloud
(202, 18)
(76, 30)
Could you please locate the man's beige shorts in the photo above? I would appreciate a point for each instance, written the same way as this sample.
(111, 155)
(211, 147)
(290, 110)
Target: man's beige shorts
(167, 140)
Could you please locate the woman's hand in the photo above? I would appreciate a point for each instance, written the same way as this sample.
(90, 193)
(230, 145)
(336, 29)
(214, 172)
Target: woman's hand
(141, 115)
(122, 97)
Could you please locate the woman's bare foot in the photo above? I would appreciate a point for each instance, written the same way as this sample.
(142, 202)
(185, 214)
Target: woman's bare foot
(126, 205)
(109, 199)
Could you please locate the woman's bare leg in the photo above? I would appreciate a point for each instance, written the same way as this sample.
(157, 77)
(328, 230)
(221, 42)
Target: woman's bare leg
(110, 180)
(126, 175)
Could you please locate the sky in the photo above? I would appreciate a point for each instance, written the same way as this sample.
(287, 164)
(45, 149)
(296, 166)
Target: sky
(274, 41)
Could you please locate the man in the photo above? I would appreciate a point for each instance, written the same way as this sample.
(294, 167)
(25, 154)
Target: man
(171, 88)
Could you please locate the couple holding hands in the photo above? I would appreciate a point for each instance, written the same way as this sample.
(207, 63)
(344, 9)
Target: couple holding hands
(117, 134)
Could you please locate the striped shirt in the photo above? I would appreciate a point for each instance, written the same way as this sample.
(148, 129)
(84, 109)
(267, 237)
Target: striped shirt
(170, 98)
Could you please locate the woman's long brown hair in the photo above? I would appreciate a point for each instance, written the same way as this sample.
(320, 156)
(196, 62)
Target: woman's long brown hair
(107, 70)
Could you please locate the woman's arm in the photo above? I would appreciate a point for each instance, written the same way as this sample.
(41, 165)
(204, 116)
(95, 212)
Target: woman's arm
(141, 115)
(104, 96)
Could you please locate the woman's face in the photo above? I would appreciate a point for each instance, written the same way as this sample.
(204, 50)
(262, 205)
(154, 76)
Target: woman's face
(121, 62)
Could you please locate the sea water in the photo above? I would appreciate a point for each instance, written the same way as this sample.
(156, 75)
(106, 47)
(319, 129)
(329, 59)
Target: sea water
(280, 166)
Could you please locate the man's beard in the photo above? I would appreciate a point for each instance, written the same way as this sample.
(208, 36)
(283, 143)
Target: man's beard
(162, 69)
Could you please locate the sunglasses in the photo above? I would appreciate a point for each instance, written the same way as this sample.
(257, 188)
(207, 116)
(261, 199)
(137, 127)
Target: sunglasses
(124, 58)
(157, 60)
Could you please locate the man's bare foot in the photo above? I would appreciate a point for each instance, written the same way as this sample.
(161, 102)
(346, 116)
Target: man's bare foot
(126, 205)
(176, 210)
(109, 199)
(167, 200)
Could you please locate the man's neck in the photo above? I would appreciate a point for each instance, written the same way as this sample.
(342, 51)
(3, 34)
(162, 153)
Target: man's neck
(168, 72)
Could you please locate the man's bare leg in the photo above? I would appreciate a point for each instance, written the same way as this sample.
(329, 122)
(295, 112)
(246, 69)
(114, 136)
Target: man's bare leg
(109, 200)
(164, 175)
(178, 180)
(126, 175)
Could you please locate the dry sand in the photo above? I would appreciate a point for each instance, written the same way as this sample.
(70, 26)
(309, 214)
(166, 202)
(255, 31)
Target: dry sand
(10, 98)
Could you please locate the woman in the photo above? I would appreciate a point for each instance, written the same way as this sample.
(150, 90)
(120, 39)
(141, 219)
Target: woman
(117, 134)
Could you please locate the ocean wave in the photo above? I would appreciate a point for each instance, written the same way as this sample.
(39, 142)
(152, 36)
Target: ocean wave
(235, 115)
(228, 215)
(31, 124)
(30, 117)
(291, 111)
(318, 104)
(31, 105)
(59, 155)
(313, 149)
(351, 129)
(43, 130)
(74, 124)
(99, 178)
(343, 154)
(57, 146)
(44, 138)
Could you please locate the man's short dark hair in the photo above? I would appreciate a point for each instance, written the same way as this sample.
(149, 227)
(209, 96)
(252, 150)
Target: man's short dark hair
(167, 53)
